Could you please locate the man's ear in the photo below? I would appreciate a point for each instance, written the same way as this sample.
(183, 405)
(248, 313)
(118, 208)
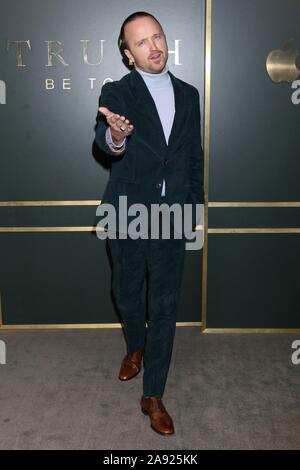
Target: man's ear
(128, 54)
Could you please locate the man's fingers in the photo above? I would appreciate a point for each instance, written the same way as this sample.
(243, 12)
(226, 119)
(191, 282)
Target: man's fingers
(113, 118)
(104, 110)
(108, 114)
(119, 121)
(116, 120)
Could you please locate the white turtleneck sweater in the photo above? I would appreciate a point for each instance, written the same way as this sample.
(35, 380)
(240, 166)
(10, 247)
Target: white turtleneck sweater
(161, 89)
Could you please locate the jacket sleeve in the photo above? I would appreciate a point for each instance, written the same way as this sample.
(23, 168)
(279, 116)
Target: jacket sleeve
(197, 155)
(112, 100)
(196, 164)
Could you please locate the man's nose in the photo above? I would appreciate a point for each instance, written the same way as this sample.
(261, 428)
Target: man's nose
(152, 45)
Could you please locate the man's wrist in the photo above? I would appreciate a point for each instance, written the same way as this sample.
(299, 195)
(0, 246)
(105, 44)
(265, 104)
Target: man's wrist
(117, 149)
(111, 143)
(117, 143)
(110, 139)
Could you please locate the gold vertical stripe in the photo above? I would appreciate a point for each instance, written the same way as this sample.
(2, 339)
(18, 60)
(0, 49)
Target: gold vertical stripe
(207, 93)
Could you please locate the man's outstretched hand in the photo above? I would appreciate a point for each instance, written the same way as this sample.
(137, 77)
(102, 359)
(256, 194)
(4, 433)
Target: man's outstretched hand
(120, 127)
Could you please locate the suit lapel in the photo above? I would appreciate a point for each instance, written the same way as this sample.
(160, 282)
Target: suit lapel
(146, 109)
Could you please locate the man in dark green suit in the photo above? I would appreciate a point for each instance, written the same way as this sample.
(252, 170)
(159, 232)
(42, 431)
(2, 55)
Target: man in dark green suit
(149, 123)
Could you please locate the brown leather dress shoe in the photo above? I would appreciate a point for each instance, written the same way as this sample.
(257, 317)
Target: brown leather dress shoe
(131, 365)
(161, 421)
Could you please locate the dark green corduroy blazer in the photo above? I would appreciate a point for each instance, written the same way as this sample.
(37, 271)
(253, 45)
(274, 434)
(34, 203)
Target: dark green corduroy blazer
(139, 171)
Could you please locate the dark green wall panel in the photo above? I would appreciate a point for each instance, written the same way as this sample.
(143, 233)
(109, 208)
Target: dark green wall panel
(48, 153)
(254, 157)
(255, 128)
(57, 278)
(253, 281)
(260, 217)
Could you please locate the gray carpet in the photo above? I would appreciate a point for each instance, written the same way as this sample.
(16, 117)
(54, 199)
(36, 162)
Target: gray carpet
(59, 390)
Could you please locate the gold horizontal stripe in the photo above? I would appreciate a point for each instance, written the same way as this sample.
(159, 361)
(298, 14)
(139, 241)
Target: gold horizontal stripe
(254, 230)
(61, 327)
(48, 203)
(48, 229)
(254, 204)
(97, 202)
(93, 229)
(59, 229)
(77, 326)
(252, 330)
